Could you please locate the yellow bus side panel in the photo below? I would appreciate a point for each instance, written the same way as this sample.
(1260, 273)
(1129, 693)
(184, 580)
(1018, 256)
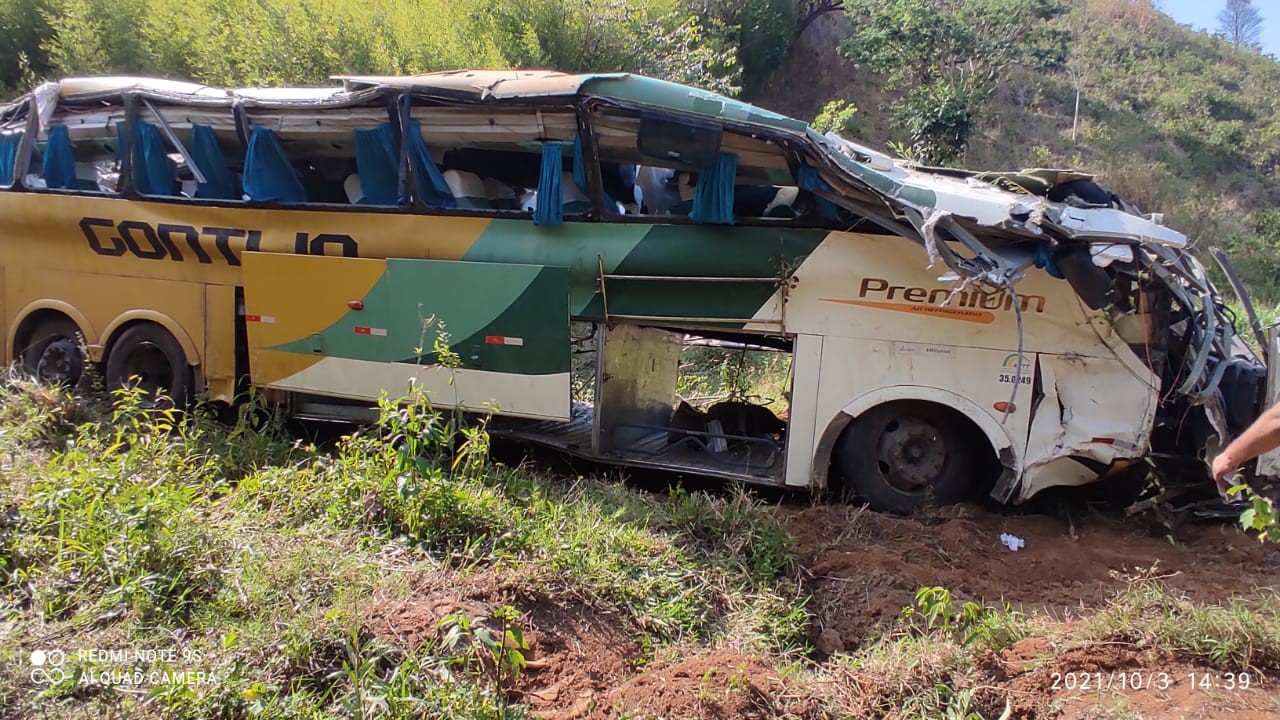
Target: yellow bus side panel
(280, 312)
(101, 304)
(220, 342)
(105, 235)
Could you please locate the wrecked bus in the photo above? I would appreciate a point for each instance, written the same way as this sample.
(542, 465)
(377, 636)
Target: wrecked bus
(949, 333)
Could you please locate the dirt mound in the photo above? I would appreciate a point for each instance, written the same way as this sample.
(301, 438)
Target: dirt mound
(864, 567)
(576, 652)
(712, 686)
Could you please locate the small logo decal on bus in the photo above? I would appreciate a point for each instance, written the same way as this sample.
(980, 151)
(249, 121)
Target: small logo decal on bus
(377, 332)
(503, 340)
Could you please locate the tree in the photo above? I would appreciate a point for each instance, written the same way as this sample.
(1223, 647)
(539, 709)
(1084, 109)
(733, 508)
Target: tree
(810, 10)
(1241, 23)
(23, 32)
(943, 59)
(655, 37)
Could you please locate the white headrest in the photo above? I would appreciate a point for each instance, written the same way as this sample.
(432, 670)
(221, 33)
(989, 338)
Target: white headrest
(351, 186)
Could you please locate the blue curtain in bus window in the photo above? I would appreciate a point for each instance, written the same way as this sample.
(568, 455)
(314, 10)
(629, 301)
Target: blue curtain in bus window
(1044, 261)
(59, 168)
(809, 179)
(152, 170)
(550, 208)
(9, 157)
(430, 184)
(219, 183)
(268, 175)
(713, 195)
(376, 162)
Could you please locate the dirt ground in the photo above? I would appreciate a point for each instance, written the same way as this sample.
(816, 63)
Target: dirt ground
(862, 568)
(866, 567)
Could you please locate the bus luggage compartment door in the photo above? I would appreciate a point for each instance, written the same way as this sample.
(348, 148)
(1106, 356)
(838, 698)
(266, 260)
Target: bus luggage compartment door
(355, 328)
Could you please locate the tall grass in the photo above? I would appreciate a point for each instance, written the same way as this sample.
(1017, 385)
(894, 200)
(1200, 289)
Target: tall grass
(256, 556)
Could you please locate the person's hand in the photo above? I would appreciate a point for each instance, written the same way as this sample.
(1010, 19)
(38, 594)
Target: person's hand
(1223, 465)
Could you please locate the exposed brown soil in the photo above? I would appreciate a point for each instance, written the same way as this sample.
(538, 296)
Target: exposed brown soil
(865, 567)
(718, 685)
(862, 568)
(576, 653)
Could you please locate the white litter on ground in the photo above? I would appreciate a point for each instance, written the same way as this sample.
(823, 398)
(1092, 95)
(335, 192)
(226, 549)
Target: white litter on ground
(1013, 542)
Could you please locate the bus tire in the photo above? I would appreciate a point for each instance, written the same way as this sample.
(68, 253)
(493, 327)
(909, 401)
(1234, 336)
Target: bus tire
(146, 357)
(54, 352)
(901, 456)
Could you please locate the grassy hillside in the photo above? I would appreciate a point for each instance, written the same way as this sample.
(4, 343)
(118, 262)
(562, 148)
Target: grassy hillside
(1179, 122)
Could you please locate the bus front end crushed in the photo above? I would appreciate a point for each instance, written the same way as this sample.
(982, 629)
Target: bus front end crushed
(1143, 294)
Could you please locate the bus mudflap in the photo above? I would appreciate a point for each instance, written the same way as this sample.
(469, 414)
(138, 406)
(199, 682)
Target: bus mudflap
(476, 336)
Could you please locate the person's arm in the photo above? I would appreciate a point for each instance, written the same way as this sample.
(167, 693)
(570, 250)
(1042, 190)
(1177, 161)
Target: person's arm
(1260, 437)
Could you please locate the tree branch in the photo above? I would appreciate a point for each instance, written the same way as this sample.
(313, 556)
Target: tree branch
(811, 10)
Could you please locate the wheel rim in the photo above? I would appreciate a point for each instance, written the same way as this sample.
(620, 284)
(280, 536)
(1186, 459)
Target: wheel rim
(146, 368)
(910, 454)
(60, 363)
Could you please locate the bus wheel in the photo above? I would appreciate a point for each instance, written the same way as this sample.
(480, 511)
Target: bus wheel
(54, 353)
(902, 455)
(147, 358)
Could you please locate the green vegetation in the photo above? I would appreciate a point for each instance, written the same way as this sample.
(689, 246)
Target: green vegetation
(945, 59)
(837, 116)
(709, 374)
(399, 573)
(937, 661)
(1179, 122)
(717, 44)
(262, 558)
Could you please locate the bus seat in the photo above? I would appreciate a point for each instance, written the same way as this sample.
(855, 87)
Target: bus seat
(219, 183)
(658, 193)
(59, 162)
(784, 202)
(575, 201)
(377, 166)
(764, 201)
(86, 177)
(268, 174)
(684, 186)
(431, 187)
(500, 194)
(467, 189)
(351, 186)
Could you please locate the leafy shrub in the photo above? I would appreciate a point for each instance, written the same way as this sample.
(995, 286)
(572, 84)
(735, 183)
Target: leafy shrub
(836, 116)
(115, 517)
